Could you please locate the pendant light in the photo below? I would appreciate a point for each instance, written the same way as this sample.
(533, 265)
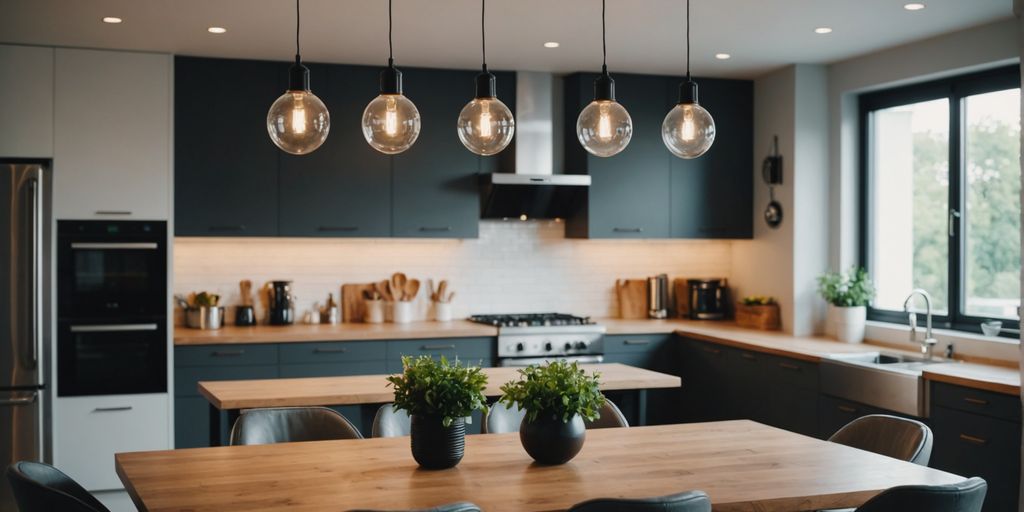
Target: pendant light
(298, 122)
(486, 125)
(688, 130)
(604, 127)
(391, 122)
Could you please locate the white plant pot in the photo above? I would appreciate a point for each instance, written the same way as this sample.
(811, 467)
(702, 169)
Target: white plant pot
(847, 324)
(402, 312)
(443, 311)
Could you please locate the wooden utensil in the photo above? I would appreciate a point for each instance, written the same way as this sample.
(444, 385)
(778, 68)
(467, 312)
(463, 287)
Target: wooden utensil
(412, 288)
(245, 289)
(398, 281)
(353, 301)
(441, 290)
(632, 294)
(382, 288)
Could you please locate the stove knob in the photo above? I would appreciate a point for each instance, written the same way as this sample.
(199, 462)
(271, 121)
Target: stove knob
(547, 346)
(581, 345)
(568, 346)
(520, 347)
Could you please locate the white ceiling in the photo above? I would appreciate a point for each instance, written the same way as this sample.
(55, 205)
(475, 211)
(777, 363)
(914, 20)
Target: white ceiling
(644, 35)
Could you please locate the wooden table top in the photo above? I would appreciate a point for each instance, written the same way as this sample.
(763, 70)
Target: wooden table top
(373, 389)
(742, 465)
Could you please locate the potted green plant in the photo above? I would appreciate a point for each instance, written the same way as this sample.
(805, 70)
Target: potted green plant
(557, 397)
(848, 295)
(439, 396)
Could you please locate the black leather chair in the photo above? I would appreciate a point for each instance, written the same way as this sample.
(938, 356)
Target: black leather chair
(290, 425)
(39, 487)
(499, 419)
(462, 506)
(690, 501)
(611, 417)
(966, 496)
(899, 438)
(391, 422)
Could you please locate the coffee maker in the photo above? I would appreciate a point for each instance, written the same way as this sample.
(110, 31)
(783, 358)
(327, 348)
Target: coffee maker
(281, 307)
(709, 299)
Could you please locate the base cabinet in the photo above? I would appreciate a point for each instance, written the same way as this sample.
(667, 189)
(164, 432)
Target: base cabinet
(653, 352)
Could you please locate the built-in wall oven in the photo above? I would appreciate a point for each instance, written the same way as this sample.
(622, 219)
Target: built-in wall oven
(111, 307)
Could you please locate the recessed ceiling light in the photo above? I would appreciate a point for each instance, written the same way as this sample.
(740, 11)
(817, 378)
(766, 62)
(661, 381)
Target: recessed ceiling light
(112, 19)
(823, 30)
(551, 44)
(216, 30)
(915, 6)
(723, 56)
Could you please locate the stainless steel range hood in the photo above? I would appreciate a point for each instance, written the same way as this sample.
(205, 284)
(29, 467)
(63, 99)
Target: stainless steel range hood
(533, 190)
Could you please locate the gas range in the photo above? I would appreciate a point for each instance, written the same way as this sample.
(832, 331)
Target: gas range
(533, 338)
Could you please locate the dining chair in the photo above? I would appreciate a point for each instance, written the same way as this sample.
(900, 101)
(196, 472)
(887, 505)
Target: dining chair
(499, 419)
(391, 422)
(966, 496)
(611, 417)
(899, 438)
(690, 501)
(462, 506)
(39, 487)
(290, 425)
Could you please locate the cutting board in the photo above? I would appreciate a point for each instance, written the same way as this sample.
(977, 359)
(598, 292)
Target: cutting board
(632, 294)
(682, 292)
(353, 305)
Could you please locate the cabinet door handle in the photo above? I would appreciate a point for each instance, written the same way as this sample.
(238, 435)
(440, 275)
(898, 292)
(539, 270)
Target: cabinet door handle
(636, 342)
(846, 409)
(628, 230)
(113, 212)
(437, 347)
(227, 353)
(975, 401)
(789, 366)
(114, 328)
(113, 409)
(435, 229)
(973, 439)
(710, 350)
(337, 229)
(748, 357)
(236, 227)
(338, 350)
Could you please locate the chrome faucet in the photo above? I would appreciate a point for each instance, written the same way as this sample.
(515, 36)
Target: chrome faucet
(928, 343)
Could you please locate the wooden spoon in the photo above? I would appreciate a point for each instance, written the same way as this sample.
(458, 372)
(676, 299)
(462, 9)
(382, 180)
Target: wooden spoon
(412, 288)
(398, 281)
(382, 289)
(441, 289)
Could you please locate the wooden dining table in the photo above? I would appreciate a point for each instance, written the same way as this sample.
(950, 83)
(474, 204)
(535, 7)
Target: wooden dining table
(742, 465)
(234, 395)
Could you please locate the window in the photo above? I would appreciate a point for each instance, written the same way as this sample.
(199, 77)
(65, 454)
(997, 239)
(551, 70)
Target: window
(940, 187)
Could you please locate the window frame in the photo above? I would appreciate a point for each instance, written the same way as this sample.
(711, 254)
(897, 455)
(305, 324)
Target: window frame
(955, 89)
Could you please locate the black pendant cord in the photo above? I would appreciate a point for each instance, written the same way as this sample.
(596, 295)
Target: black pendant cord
(298, 23)
(391, 46)
(298, 75)
(483, 33)
(485, 81)
(687, 40)
(604, 86)
(390, 78)
(688, 89)
(604, 40)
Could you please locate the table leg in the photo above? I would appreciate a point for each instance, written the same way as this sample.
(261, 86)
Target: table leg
(641, 407)
(214, 426)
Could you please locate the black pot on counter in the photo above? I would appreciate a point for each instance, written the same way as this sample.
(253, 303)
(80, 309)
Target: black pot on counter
(549, 440)
(435, 446)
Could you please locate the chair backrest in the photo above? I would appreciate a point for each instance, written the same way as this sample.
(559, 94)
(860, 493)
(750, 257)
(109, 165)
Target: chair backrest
(499, 419)
(690, 501)
(462, 506)
(291, 424)
(39, 487)
(899, 438)
(611, 417)
(391, 422)
(966, 496)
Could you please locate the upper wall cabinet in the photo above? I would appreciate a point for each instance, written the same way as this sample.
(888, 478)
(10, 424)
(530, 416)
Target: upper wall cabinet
(26, 100)
(112, 135)
(645, 191)
(225, 179)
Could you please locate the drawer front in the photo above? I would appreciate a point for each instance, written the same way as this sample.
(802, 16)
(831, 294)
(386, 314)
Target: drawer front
(835, 413)
(224, 355)
(292, 353)
(333, 369)
(83, 445)
(185, 378)
(468, 350)
(996, 405)
(794, 372)
(634, 343)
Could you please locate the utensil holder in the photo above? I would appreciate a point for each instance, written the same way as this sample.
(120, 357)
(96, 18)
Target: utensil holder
(205, 318)
(402, 312)
(374, 312)
(443, 311)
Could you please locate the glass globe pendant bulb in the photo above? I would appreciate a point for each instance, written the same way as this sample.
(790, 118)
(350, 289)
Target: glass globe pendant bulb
(298, 122)
(486, 125)
(688, 130)
(603, 127)
(391, 123)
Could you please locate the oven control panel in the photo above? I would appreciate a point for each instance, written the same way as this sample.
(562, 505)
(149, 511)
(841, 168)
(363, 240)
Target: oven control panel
(549, 344)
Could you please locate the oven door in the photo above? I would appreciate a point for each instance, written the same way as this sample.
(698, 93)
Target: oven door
(111, 359)
(529, 361)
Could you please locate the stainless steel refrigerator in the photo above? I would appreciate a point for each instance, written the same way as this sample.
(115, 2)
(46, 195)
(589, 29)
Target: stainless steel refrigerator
(23, 221)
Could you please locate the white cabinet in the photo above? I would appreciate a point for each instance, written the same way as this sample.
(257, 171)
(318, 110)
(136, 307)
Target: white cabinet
(26, 102)
(88, 431)
(112, 135)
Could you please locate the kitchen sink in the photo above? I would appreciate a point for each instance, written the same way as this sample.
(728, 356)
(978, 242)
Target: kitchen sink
(889, 381)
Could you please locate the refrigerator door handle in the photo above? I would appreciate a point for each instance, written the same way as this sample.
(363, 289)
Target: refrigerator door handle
(25, 400)
(37, 321)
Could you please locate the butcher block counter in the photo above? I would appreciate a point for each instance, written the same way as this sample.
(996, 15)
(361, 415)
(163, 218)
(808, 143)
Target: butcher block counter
(323, 332)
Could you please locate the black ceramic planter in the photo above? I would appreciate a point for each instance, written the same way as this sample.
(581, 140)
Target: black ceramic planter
(435, 446)
(549, 440)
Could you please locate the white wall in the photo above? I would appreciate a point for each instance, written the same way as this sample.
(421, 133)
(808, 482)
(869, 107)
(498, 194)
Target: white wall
(513, 266)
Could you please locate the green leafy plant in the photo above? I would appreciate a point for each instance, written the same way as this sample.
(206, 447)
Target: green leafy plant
(205, 299)
(849, 289)
(758, 300)
(428, 387)
(558, 388)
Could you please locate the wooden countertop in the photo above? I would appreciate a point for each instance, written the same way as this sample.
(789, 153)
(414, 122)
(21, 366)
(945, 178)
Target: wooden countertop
(1000, 379)
(373, 389)
(742, 465)
(323, 332)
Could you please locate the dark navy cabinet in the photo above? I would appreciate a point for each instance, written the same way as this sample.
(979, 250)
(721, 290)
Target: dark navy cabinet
(653, 352)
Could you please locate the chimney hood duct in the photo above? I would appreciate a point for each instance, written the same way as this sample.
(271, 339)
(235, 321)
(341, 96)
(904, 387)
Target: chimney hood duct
(533, 190)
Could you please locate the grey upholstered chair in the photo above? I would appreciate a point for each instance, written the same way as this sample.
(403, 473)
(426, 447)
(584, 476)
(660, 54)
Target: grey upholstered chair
(690, 501)
(291, 424)
(39, 487)
(499, 419)
(462, 506)
(611, 417)
(899, 438)
(391, 422)
(966, 496)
